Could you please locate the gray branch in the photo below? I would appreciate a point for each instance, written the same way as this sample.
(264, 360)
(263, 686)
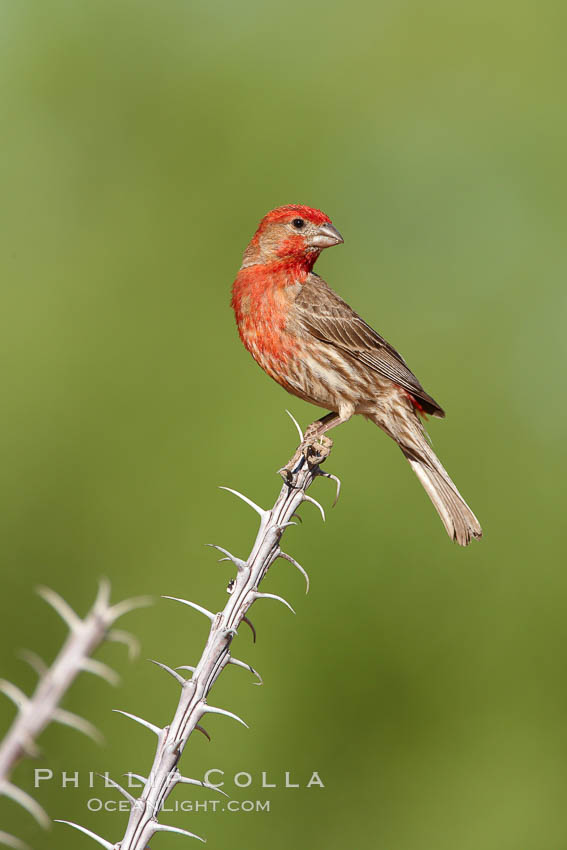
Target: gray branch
(37, 711)
(143, 822)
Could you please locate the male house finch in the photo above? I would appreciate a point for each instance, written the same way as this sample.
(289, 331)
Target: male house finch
(316, 347)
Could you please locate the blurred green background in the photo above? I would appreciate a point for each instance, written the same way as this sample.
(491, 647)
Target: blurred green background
(141, 144)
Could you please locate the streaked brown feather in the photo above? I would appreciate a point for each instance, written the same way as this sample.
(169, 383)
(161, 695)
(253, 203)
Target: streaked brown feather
(324, 314)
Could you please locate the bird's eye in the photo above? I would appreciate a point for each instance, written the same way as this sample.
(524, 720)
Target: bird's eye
(298, 223)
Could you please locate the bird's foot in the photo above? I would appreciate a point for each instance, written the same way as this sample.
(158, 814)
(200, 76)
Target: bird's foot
(313, 449)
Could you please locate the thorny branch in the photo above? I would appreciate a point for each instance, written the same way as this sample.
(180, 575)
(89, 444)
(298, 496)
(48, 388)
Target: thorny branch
(143, 822)
(37, 711)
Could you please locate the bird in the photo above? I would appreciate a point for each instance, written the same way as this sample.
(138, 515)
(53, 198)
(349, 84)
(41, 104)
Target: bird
(319, 349)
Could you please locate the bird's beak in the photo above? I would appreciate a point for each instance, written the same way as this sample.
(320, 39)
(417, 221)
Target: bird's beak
(326, 236)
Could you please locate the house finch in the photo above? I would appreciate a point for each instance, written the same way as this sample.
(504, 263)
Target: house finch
(316, 347)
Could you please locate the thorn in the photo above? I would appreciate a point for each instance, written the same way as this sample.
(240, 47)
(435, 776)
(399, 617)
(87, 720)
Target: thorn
(291, 560)
(186, 667)
(34, 660)
(194, 605)
(67, 718)
(61, 607)
(298, 518)
(338, 482)
(260, 511)
(155, 729)
(273, 596)
(143, 779)
(29, 746)
(186, 781)
(119, 636)
(238, 562)
(249, 667)
(161, 827)
(126, 794)
(27, 802)
(128, 605)
(12, 841)
(92, 835)
(13, 693)
(284, 525)
(210, 709)
(171, 672)
(102, 601)
(203, 731)
(249, 623)
(297, 425)
(98, 668)
(307, 498)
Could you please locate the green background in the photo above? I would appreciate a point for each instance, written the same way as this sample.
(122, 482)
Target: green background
(141, 144)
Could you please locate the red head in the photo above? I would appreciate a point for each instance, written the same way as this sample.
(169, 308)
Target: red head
(294, 232)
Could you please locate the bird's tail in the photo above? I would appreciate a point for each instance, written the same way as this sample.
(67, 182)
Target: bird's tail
(458, 519)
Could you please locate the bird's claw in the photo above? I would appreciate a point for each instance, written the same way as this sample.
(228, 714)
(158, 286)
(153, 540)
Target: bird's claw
(318, 449)
(314, 449)
(287, 472)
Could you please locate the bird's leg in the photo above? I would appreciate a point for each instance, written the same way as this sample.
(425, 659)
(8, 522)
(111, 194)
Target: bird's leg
(314, 447)
(317, 428)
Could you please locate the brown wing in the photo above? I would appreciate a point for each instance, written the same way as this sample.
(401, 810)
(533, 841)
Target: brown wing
(324, 314)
